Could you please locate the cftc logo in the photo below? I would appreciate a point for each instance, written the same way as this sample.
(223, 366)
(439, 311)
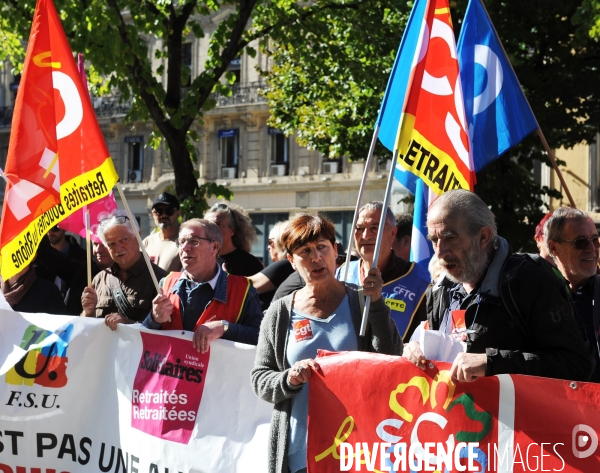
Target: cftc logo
(45, 359)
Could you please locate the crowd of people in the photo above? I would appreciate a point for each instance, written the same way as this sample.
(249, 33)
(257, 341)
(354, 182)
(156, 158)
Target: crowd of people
(513, 313)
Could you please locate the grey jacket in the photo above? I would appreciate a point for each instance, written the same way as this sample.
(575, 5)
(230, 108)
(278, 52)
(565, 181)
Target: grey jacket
(270, 373)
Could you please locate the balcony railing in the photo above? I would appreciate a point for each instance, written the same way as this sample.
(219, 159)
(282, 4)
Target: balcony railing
(110, 106)
(249, 93)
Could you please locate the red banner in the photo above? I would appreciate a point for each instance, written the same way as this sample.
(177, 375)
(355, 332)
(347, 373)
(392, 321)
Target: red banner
(380, 413)
(57, 158)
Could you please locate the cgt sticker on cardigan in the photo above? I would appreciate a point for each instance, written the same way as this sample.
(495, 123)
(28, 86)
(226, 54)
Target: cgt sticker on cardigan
(168, 388)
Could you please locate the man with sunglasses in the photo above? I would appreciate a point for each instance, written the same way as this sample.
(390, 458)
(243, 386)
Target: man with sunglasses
(513, 315)
(572, 240)
(203, 298)
(161, 246)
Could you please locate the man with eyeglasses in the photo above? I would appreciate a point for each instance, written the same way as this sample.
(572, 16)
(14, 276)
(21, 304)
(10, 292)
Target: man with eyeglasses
(161, 246)
(572, 240)
(238, 235)
(123, 292)
(203, 298)
(512, 314)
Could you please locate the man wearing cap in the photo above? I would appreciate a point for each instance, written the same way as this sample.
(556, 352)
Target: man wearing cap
(161, 246)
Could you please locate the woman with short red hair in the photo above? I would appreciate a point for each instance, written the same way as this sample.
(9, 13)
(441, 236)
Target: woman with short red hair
(325, 314)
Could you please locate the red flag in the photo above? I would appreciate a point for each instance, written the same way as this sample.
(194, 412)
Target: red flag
(399, 414)
(75, 223)
(433, 142)
(53, 127)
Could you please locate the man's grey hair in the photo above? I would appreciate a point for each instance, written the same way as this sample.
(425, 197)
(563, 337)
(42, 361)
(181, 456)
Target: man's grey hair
(554, 226)
(211, 230)
(378, 205)
(118, 218)
(474, 212)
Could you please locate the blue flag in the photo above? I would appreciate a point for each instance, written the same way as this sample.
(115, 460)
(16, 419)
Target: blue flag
(497, 111)
(421, 249)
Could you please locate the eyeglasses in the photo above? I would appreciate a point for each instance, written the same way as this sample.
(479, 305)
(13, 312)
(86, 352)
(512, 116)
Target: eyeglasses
(119, 220)
(193, 241)
(168, 211)
(582, 243)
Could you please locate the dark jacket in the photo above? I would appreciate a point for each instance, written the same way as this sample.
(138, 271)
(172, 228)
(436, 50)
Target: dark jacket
(43, 296)
(70, 267)
(546, 342)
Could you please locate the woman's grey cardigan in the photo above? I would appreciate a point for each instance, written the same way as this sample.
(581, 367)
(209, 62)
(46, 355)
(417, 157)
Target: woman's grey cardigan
(270, 373)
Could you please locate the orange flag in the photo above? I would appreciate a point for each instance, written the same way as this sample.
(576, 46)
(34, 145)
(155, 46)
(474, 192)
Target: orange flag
(433, 142)
(57, 158)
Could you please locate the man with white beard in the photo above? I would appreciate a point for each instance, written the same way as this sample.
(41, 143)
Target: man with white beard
(513, 314)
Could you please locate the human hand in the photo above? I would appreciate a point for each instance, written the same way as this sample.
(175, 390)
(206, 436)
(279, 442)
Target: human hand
(89, 300)
(373, 284)
(412, 352)
(301, 372)
(162, 308)
(206, 333)
(112, 320)
(468, 367)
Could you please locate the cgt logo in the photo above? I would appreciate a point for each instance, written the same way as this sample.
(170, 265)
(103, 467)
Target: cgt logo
(45, 359)
(584, 437)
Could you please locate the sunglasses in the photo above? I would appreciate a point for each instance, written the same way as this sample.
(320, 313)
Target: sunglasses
(118, 220)
(583, 243)
(54, 229)
(168, 211)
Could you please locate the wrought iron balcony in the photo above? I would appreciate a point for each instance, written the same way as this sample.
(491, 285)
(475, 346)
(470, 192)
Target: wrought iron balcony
(249, 93)
(110, 106)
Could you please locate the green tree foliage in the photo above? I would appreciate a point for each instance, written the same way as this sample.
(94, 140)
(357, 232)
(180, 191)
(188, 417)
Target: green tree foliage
(120, 38)
(332, 70)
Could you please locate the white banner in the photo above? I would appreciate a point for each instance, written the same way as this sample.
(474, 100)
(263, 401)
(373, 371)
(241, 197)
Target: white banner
(77, 397)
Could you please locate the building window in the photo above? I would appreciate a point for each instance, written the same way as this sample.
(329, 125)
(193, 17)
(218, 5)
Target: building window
(342, 221)
(280, 153)
(135, 158)
(229, 149)
(235, 68)
(186, 59)
(263, 224)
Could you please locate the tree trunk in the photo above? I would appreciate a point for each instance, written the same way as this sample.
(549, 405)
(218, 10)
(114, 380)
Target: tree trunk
(185, 181)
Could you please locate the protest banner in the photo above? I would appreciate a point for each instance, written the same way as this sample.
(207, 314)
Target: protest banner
(57, 159)
(77, 397)
(369, 412)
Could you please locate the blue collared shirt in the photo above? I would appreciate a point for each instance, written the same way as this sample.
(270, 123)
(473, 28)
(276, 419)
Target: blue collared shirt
(195, 297)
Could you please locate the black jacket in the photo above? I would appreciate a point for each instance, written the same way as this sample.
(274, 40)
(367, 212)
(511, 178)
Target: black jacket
(546, 342)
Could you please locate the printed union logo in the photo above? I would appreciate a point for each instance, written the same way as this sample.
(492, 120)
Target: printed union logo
(584, 437)
(45, 359)
(397, 305)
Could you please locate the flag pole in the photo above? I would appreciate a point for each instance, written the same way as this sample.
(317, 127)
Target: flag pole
(555, 166)
(411, 77)
(139, 239)
(539, 130)
(363, 182)
(87, 244)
